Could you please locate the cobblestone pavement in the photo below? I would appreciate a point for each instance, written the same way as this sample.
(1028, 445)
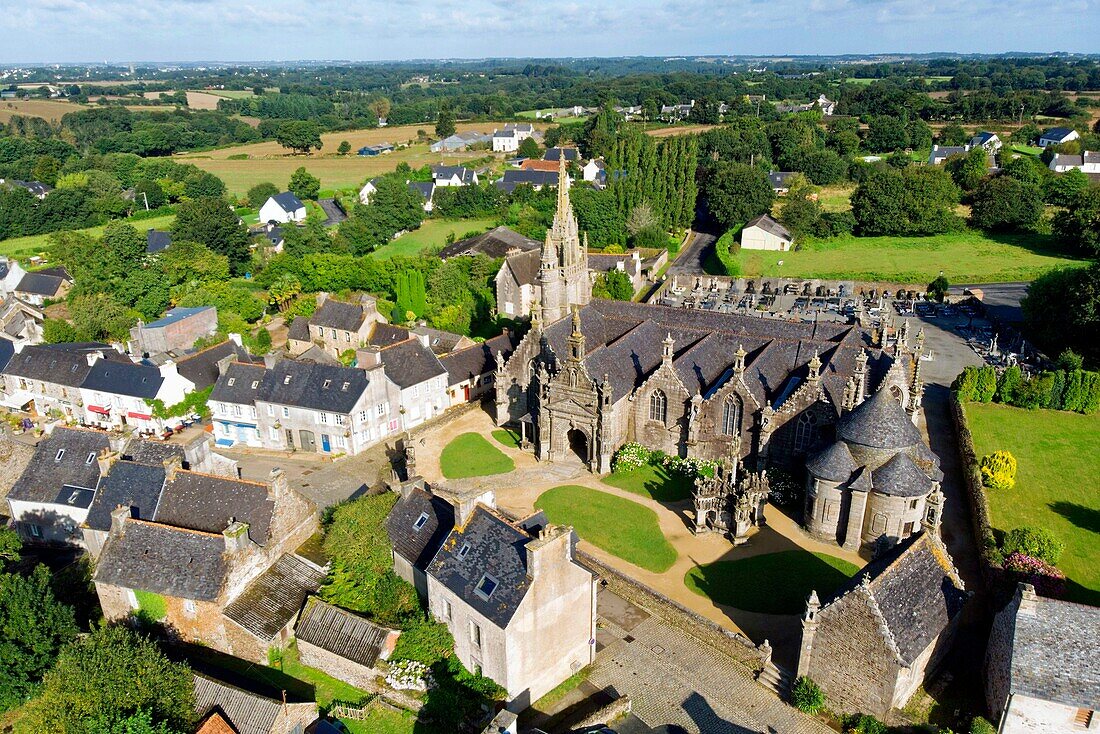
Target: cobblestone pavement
(672, 678)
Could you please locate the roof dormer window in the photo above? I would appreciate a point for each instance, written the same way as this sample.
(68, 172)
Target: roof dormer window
(485, 587)
(286, 380)
(345, 386)
(325, 385)
(255, 384)
(60, 453)
(90, 459)
(420, 521)
(463, 551)
(232, 381)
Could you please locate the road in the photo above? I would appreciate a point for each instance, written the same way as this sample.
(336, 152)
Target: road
(691, 258)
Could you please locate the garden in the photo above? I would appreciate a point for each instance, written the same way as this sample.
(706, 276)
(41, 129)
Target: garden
(471, 455)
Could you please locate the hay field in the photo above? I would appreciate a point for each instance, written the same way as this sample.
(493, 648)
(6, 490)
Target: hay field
(48, 109)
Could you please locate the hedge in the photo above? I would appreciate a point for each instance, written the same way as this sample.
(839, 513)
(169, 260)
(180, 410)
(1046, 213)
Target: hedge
(728, 249)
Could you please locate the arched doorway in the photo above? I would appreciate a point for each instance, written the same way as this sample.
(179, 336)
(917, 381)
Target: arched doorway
(578, 445)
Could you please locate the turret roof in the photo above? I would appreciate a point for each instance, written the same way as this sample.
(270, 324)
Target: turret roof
(879, 422)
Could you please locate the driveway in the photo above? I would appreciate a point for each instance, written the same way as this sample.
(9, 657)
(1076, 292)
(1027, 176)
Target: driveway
(691, 258)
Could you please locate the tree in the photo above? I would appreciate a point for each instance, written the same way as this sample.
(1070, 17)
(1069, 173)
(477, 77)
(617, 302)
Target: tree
(393, 208)
(597, 215)
(1003, 204)
(641, 218)
(148, 191)
(1025, 170)
(1062, 310)
(529, 148)
(801, 212)
(807, 696)
(445, 124)
(938, 288)
(1079, 225)
(108, 675)
(10, 547)
(136, 723)
(380, 107)
(187, 261)
(203, 184)
(614, 285)
(58, 331)
(736, 193)
(967, 170)
(952, 134)
(344, 148)
(886, 133)
(210, 221)
(100, 317)
(910, 201)
(46, 169)
(283, 290)
(304, 184)
(823, 167)
(299, 135)
(1064, 188)
(998, 470)
(601, 132)
(260, 193)
(34, 626)
(920, 135)
(411, 298)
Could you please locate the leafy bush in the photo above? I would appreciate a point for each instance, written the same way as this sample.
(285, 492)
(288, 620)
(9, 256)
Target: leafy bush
(1036, 542)
(425, 641)
(629, 457)
(864, 724)
(807, 696)
(998, 470)
(980, 726)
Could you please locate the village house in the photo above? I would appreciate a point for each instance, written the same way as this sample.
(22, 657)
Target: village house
(37, 189)
(420, 379)
(454, 176)
(1041, 673)
(120, 393)
(283, 208)
(215, 562)
(886, 631)
(39, 286)
(508, 138)
(534, 178)
(461, 141)
(987, 140)
(941, 153)
(571, 155)
(497, 243)
(629, 263)
(226, 709)
(20, 323)
(521, 610)
(764, 233)
(780, 181)
(470, 370)
(426, 190)
(342, 644)
(176, 331)
(1057, 136)
(370, 151)
(594, 170)
(157, 241)
(11, 272)
(1087, 162)
(538, 164)
(335, 326)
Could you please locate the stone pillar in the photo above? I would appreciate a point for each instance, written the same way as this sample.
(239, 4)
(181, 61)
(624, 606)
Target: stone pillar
(856, 512)
(809, 629)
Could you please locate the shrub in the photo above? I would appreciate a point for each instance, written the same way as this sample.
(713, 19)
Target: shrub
(425, 641)
(807, 696)
(726, 249)
(629, 457)
(1035, 542)
(864, 724)
(998, 470)
(1047, 580)
(980, 726)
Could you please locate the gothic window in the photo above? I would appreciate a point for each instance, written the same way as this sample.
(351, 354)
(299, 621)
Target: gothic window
(897, 393)
(805, 431)
(658, 406)
(731, 416)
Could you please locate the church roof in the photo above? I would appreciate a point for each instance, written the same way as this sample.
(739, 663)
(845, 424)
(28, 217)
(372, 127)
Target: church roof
(879, 422)
(900, 477)
(834, 463)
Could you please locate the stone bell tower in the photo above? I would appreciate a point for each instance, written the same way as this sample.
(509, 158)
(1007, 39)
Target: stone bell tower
(563, 268)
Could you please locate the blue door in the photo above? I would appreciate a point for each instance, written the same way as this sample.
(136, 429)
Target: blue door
(325, 446)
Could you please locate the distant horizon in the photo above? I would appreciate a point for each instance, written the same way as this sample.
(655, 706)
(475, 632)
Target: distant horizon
(89, 32)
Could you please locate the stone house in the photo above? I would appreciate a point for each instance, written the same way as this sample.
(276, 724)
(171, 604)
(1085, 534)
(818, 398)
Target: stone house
(499, 242)
(764, 233)
(342, 644)
(304, 406)
(885, 632)
(470, 371)
(176, 331)
(214, 562)
(50, 284)
(629, 263)
(412, 367)
(521, 610)
(227, 709)
(1041, 665)
(20, 323)
(335, 326)
(117, 394)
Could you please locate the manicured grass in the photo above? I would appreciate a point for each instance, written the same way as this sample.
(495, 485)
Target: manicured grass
(1058, 473)
(655, 482)
(19, 247)
(964, 257)
(1032, 150)
(383, 720)
(470, 455)
(507, 437)
(619, 526)
(773, 583)
(431, 233)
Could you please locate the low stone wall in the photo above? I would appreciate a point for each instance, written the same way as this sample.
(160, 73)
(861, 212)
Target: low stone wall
(975, 496)
(449, 416)
(605, 715)
(734, 644)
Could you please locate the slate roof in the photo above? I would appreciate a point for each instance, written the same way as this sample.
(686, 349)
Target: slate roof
(341, 633)
(272, 600)
(124, 378)
(465, 175)
(524, 266)
(236, 384)
(157, 241)
(249, 712)
(7, 351)
(439, 341)
(900, 477)
(425, 188)
(778, 179)
(59, 366)
(493, 546)
(127, 483)
(879, 422)
(513, 178)
(494, 243)
(325, 387)
(45, 474)
(981, 138)
(288, 202)
(40, 284)
(941, 152)
(913, 588)
(165, 560)
(1056, 653)
(410, 363)
(201, 367)
(382, 334)
(333, 314)
(834, 463)
(206, 502)
(140, 451)
(770, 226)
(479, 359)
(419, 547)
(555, 154)
(176, 315)
(299, 329)
(1056, 133)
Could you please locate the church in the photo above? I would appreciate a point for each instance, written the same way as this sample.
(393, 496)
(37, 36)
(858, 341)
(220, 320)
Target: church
(593, 374)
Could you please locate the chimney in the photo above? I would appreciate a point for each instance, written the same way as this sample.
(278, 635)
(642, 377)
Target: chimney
(106, 460)
(1028, 599)
(236, 536)
(550, 549)
(119, 516)
(172, 465)
(277, 480)
(92, 357)
(465, 502)
(270, 360)
(424, 339)
(168, 369)
(236, 339)
(224, 362)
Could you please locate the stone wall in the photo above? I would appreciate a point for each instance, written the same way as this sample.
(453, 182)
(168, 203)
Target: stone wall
(975, 497)
(736, 645)
(337, 666)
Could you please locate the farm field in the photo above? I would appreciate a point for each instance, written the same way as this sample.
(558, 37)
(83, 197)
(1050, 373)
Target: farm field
(202, 100)
(48, 109)
(432, 233)
(964, 257)
(1058, 458)
(22, 247)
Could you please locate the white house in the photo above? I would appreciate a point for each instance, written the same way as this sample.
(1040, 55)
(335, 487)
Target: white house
(454, 176)
(508, 138)
(764, 233)
(941, 153)
(1057, 136)
(593, 170)
(283, 208)
(420, 378)
(1087, 162)
(987, 140)
(367, 191)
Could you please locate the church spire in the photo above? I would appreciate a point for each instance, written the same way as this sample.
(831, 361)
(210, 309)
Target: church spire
(563, 185)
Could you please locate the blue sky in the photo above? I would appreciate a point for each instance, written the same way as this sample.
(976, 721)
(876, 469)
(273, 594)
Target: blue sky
(260, 30)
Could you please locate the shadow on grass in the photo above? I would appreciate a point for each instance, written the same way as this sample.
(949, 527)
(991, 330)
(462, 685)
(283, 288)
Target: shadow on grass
(254, 677)
(654, 482)
(1086, 518)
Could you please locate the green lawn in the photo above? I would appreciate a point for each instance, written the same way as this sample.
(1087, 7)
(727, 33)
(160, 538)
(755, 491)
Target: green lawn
(964, 257)
(655, 482)
(432, 233)
(619, 526)
(470, 455)
(1032, 150)
(1057, 481)
(506, 437)
(21, 247)
(383, 720)
(773, 583)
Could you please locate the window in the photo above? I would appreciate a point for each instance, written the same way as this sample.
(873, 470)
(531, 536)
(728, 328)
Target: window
(60, 453)
(74, 497)
(420, 521)
(333, 333)
(324, 417)
(255, 384)
(908, 529)
(658, 406)
(878, 524)
(475, 634)
(274, 433)
(913, 504)
(465, 549)
(445, 610)
(270, 410)
(286, 412)
(805, 431)
(232, 381)
(341, 420)
(324, 386)
(237, 410)
(347, 336)
(286, 380)
(731, 416)
(90, 459)
(381, 409)
(345, 386)
(416, 391)
(485, 587)
(362, 415)
(36, 531)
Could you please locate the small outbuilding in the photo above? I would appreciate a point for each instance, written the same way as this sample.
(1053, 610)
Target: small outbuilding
(764, 233)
